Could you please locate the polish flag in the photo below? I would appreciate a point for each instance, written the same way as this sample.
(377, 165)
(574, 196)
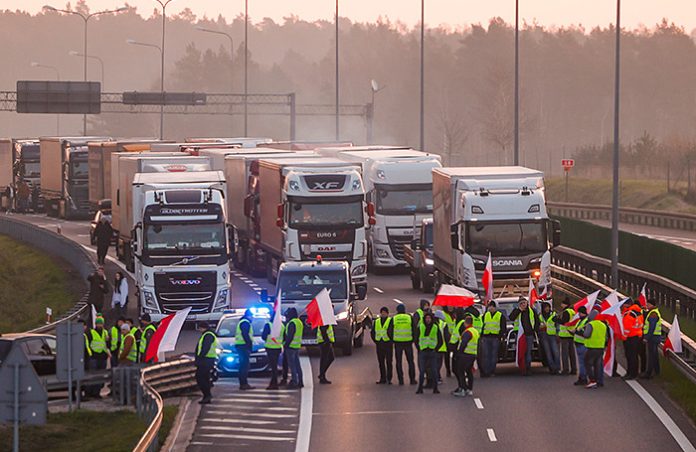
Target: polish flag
(611, 300)
(588, 302)
(487, 279)
(277, 325)
(673, 341)
(521, 346)
(450, 295)
(614, 320)
(544, 293)
(642, 298)
(320, 311)
(532, 293)
(164, 338)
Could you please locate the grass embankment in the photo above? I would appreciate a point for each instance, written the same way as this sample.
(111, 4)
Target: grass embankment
(639, 194)
(31, 281)
(679, 388)
(112, 431)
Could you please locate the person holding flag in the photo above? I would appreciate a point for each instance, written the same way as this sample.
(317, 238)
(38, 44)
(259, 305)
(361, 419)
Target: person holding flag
(272, 334)
(579, 339)
(596, 335)
(320, 316)
(527, 326)
(547, 337)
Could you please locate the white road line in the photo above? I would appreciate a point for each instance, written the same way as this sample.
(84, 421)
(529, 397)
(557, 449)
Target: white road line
(378, 290)
(478, 404)
(233, 399)
(250, 437)
(304, 429)
(240, 414)
(177, 430)
(398, 301)
(239, 421)
(662, 415)
(256, 395)
(247, 429)
(491, 435)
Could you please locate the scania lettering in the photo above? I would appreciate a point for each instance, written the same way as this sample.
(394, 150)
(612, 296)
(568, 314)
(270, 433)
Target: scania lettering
(496, 210)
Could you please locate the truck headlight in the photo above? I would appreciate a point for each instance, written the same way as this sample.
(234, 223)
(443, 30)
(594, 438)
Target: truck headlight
(429, 261)
(382, 253)
(149, 301)
(342, 315)
(359, 270)
(221, 302)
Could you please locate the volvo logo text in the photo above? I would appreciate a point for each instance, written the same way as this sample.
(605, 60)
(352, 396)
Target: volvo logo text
(507, 262)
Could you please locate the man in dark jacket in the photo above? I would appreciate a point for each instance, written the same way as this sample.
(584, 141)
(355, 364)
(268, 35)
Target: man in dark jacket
(103, 233)
(429, 341)
(466, 356)
(206, 356)
(244, 344)
(494, 330)
(568, 363)
(98, 287)
(529, 325)
(382, 335)
(292, 344)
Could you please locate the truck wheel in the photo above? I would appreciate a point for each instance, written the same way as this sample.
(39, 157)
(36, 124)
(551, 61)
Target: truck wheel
(347, 348)
(415, 281)
(62, 211)
(427, 284)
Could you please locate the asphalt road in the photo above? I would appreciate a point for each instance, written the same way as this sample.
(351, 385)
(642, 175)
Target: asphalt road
(685, 239)
(507, 412)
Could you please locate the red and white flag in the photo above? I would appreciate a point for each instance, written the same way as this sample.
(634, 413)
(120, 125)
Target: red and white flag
(673, 341)
(588, 302)
(487, 279)
(320, 311)
(164, 338)
(521, 346)
(450, 295)
(277, 325)
(643, 298)
(613, 318)
(532, 293)
(544, 293)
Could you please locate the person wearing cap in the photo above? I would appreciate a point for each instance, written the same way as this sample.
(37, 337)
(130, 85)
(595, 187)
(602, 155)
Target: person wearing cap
(382, 334)
(527, 319)
(547, 337)
(294, 330)
(466, 356)
(243, 343)
(579, 338)
(494, 329)
(652, 335)
(633, 327)
(148, 329)
(128, 350)
(418, 315)
(429, 341)
(568, 364)
(403, 343)
(596, 334)
(206, 357)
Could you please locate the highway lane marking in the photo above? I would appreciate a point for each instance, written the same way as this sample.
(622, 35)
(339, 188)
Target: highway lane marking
(247, 429)
(491, 435)
(243, 414)
(362, 413)
(378, 290)
(257, 394)
(252, 400)
(239, 421)
(250, 437)
(478, 404)
(304, 429)
(398, 301)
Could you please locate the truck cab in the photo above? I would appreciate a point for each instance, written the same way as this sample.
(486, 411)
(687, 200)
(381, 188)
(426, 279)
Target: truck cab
(299, 282)
(419, 257)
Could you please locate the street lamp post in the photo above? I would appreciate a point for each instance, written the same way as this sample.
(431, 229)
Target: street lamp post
(85, 18)
(92, 57)
(163, 4)
(615, 187)
(516, 157)
(208, 30)
(154, 46)
(422, 77)
(375, 88)
(53, 68)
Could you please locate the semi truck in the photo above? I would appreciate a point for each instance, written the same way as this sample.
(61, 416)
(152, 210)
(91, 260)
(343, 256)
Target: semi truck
(65, 176)
(398, 181)
(180, 243)
(319, 210)
(19, 160)
(122, 203)
(499, 211)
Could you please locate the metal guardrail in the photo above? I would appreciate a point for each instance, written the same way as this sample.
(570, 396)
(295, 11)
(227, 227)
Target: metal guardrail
(658, 219)
(575, 271)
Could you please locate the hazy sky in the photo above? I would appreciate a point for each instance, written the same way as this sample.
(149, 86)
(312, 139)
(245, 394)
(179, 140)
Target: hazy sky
(456, 13)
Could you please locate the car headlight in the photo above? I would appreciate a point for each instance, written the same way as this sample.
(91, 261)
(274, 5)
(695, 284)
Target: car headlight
(342, 315)
(149, 301)
(224, 350)
(359, 270)
(382, 253)
(221, 302)
(261, 350)
(429, 261)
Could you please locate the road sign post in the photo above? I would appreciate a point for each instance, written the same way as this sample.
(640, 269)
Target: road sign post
(567, 165)
(69, 355)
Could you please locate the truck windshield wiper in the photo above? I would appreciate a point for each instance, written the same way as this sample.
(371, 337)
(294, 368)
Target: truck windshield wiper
(186, 260)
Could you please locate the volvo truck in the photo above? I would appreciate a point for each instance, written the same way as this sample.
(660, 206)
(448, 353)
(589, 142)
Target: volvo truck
(499, 211)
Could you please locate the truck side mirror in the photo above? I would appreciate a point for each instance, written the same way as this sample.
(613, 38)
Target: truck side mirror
(556, 232)
(280, 213)
(454, 237)
(135, 239)
(371, 220)
(248, 205)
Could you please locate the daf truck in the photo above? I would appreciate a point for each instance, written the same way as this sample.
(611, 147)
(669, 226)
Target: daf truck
(65, 176)
(499, 211)
(180, 243)
(310, 208)
(398, 181)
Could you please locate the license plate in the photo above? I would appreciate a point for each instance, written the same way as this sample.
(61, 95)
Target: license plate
(252, 360)
(309, 341)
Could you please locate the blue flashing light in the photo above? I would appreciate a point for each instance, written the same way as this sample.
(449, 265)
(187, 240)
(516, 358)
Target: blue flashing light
(229, 359)
(260, 310)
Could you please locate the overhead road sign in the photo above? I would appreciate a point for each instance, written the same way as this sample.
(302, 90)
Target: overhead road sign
(40, 96)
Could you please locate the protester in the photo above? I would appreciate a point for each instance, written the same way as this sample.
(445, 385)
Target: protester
(98, 287)
(119, 297)
(103, 234)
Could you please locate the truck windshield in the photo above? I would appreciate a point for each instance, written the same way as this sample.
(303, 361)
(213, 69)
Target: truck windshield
(316, 215)
(506, 239)
(165, 238)
(79, 169)
(306, 285)
(404, 202)
(32, 169)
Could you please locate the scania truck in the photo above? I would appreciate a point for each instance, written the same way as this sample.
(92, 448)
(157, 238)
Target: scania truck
(310, 208)
(398, 181)
(496, 210)
(181, 244)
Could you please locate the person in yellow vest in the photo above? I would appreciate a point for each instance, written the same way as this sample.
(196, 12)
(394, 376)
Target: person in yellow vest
(382, 335)
(466, 356)
(565, 335)
(578, 331)
(148, 330)
(450, 324)
(529, 327)
(206, 358)
(429, 341)
(442, 352)
(325, 340)
(403, 343)
(244, 344)
(274, 345)
(595, 333)
(652, 335)
(455, 336)
(128, 351)
(494, 331)
(293, 342)
(548, 337)
(98, 345)
(115, 339)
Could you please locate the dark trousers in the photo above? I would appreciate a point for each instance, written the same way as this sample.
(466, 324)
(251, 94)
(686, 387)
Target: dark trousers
(643, 356)
(326, 357)
(96, 363)
(631, 347)
(465, 370)
(653, 357)
(114, 358)
(244, 353)
(443, 357)
(102, 250)
(294, 365)
(286, 368)
(427, 365)
(273, 356)
(385, 355)
(204, 378)
(490, 346)
(594, 364)
(568, 356)
(404, 348)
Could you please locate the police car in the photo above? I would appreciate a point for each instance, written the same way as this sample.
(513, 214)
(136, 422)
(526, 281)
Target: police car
(228, 359)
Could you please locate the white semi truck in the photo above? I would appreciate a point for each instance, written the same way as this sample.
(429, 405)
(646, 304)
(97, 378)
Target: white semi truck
(398, 182)
(496, 210)
(181, 244)
(313, 207)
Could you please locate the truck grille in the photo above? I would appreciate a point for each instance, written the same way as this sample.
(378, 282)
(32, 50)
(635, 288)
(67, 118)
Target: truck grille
(330, 256)
(178, 290)
(396, 244)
